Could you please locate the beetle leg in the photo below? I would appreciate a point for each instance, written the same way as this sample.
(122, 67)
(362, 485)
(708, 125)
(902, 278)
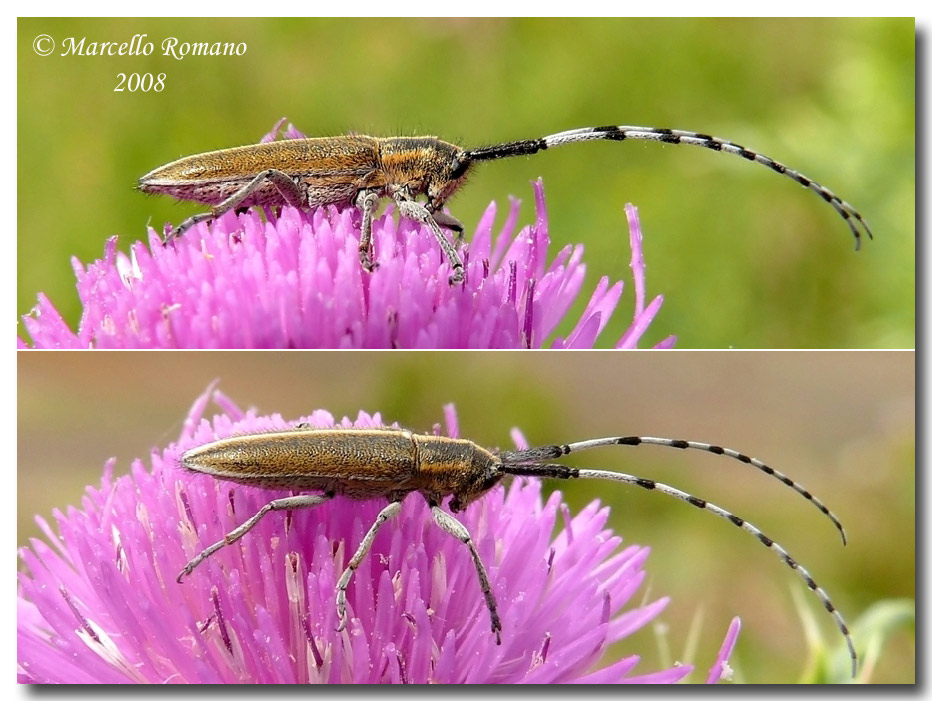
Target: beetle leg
(367, 201)
(458, 531)
(418, 212)
(450, 222)
(292, 193)
(364, 547)
(303, 501)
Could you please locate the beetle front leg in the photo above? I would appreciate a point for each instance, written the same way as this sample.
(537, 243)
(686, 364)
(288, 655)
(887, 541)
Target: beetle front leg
(458, 531)
(418, 212)
(367, 201)
(450, 222)
(291, 192)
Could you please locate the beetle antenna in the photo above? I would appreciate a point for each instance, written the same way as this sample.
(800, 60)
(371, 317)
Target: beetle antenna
(533, 456)
(558, 471)
(672, 136)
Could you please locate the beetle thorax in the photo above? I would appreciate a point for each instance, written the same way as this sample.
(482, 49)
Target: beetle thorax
(450, 466)
(424, 166)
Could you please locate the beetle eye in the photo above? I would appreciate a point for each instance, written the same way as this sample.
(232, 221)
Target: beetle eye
(458, 168)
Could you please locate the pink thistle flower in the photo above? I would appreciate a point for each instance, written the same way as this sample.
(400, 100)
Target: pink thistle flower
(295, 281)
(100, 604)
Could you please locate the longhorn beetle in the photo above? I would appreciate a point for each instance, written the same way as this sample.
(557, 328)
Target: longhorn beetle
(391, 463)
(361, 170)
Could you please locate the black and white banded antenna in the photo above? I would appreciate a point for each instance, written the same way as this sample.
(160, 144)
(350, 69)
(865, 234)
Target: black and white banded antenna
(532, 462)
(669, 136)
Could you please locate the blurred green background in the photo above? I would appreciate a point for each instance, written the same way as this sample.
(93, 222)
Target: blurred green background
(843, 424)
(744, 258)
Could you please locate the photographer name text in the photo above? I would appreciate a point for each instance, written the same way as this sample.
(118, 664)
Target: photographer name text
(139, 46)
